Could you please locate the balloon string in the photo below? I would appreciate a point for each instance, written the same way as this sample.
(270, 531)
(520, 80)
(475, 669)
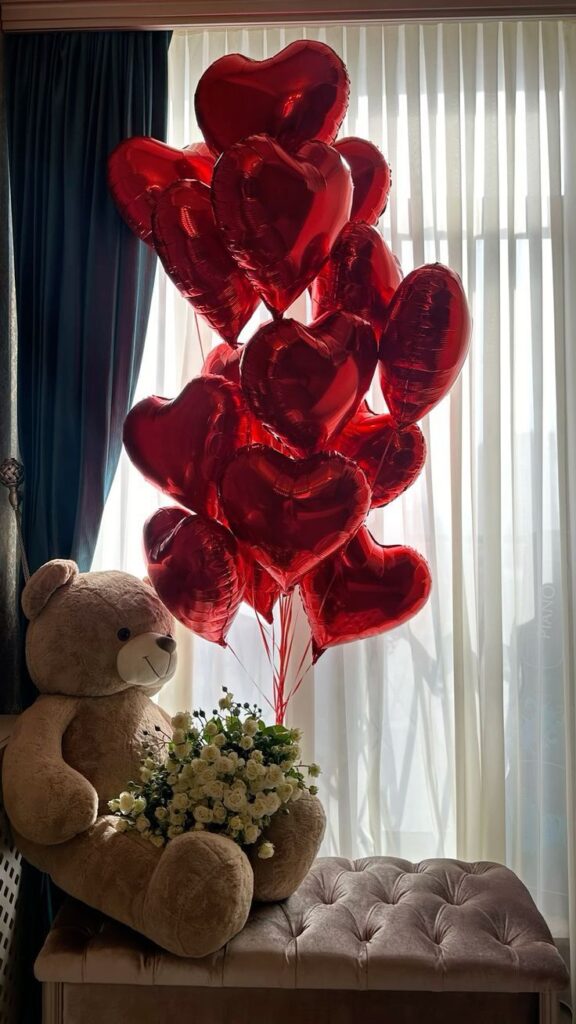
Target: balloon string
(199, 333)
(250, 677)
(383, 457)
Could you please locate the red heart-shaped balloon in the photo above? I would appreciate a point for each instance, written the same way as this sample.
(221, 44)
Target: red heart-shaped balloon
(195, 258)
(360, 276)
(305, 383)
(223, 361)
(299, 94)
(181, 446)
(424, 343)
(293, 512)
(362, 590)
(280, 213)
(194, 567)
(371, 177)
(391, 458)
(139, 170)
(261, 591)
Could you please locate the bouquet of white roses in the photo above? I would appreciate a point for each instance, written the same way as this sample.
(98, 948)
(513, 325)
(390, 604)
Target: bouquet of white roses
(228, 774)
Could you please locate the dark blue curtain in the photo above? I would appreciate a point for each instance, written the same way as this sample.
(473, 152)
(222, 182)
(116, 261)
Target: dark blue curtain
(83, 291)
(83, 281)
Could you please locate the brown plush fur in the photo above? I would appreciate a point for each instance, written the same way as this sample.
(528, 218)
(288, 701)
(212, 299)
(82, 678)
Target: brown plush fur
(80, 744)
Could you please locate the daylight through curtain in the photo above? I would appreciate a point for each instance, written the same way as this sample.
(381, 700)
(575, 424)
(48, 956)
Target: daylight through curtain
(447, 736)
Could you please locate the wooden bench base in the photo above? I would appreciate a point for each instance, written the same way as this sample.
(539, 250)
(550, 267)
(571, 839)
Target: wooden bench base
(64, 1003)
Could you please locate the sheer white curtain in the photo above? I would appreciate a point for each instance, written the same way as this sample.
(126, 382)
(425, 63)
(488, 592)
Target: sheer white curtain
(452, 735)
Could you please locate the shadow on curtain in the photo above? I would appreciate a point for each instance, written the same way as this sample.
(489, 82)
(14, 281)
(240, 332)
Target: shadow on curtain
(83, 291)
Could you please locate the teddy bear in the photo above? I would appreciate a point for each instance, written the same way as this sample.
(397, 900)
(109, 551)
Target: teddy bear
(99, 645)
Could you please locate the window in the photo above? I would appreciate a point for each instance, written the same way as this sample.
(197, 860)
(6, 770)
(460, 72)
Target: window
(446, 736)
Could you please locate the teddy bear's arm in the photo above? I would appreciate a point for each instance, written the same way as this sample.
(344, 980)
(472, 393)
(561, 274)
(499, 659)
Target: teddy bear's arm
(46, 800)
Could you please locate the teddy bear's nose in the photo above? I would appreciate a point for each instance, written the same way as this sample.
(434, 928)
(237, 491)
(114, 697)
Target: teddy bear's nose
(166, 643)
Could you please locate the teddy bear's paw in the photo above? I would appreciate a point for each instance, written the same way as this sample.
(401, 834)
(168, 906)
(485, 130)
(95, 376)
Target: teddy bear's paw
(199, 895)
(296, 836)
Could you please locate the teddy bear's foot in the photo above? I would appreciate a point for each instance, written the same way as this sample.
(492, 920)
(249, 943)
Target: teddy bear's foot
(296, 837)
(199, 895)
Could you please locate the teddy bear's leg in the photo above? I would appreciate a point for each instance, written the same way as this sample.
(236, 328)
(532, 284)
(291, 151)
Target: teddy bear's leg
(190, 897)
(296, 836)
(200, 893)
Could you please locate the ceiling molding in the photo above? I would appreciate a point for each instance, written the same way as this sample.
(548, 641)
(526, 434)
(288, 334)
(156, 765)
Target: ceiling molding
(40, 15)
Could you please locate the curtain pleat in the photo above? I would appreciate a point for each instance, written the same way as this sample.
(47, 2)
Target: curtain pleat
(83, 281)
(83, 291)
(454, 735)
(9, 560)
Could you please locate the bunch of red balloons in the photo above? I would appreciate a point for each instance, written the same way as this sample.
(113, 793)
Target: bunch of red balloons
(273, 448)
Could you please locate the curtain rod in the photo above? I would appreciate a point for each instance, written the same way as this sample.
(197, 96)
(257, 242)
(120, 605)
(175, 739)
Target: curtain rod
(42, 15)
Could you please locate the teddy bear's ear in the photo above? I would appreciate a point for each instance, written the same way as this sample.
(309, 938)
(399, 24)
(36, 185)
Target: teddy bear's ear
(42, 584)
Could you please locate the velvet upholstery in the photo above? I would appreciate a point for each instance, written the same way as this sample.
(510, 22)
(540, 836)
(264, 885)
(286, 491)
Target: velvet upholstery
(379, 923)
(381, 941)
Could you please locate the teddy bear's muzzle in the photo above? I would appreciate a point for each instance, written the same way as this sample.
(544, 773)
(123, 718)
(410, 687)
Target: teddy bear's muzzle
(147, 660)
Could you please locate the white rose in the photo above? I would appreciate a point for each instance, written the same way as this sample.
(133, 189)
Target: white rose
(178, 736)
(139, 805)
(207, 773)
(219, 813)
(314, 771)
(284, 791)
(203, 814)
(126, 802)
(215, 790)
(210, 752)
(121, 825)
(113, 805)
(251, 833)
(225, 765)
(225, 702)
(175, 830)
(142, 823)
(161, 814)
(183, 720)
(180, 802)
(296, 735)
(219, 740)
(157, 840)
(257, 786)
(246, 742)
(257, 756)
(235, 823)
(183, 749)
(275, 775)
(272, 803)
(210, 729)
(198, 826)
(258, 808)
(172, 779)
(296, 793)
(145, 774)
(176, 816)
(235, 800)
(252, 770)
(250, 727)
(265, 851)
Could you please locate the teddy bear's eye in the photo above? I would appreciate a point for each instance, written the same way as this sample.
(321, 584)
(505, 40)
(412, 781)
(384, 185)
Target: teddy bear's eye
(123, 634)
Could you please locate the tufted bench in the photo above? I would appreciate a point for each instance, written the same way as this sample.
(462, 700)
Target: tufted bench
(373, 941)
